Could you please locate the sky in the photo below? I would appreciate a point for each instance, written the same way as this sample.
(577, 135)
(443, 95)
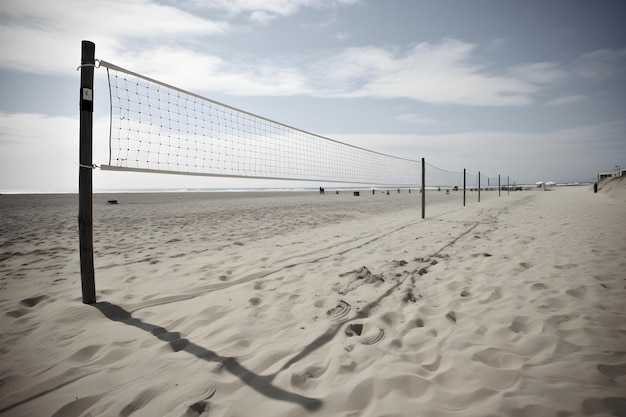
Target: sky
(532, 90)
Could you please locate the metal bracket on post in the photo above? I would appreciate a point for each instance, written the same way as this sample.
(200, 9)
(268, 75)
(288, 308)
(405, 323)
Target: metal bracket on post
(85, 173)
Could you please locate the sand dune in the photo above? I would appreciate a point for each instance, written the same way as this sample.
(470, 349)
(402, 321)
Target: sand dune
(613, 187)
(300, 304)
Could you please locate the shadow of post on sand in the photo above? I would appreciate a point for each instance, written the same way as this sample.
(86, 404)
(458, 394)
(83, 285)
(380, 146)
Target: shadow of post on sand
(259, 383)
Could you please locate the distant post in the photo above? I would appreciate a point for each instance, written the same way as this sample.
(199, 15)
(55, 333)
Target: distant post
(479, 186)
(499, 185)
(464, 187)
(85, 173)
(423, 188)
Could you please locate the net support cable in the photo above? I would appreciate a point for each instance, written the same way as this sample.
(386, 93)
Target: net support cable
(156, 127)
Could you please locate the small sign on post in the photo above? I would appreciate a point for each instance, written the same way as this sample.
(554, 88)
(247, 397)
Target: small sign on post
(87, 94)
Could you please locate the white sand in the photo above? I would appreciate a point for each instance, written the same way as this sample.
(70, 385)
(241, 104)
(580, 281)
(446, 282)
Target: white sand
(301, 304)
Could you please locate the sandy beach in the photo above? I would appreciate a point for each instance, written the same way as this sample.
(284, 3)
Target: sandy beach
(297, 304)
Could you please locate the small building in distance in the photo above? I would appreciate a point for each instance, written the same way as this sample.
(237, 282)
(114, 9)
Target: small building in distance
(617, 172)
(545, 186)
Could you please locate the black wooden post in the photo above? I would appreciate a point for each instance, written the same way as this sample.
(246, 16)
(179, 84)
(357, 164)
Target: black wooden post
(463, 187)
(423, 189)
(85, 173)
(479, 186)
(499, 185)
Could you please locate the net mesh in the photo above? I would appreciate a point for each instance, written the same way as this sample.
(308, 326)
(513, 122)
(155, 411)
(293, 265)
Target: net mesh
(443, 178)
(488, 182)
(439, 177)
(156, 127)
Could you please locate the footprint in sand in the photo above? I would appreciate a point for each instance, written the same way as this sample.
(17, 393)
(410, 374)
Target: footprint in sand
(33, 301)
(320, 303)
(409, 297)
(557, 320)
(495, 295)
(498, 359)
(390, 318)
(578, 292)
(199, 407)
(303, 380)
(347, 369)
(595, 405)
(77, 407)
(566, 266)
(612, 371)
(553, 303)
(451, 316)
(526, 325)
(16, 313)
(340, 311)
(409, 386)
(373, 337)
(139, 402)
(354, 329)
(85, 354)
(434, 366)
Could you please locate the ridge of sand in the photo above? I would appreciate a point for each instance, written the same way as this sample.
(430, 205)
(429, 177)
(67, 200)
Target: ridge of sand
(614, 187)
(294, 305)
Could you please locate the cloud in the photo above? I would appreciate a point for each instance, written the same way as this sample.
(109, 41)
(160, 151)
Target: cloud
(602, 65)
(440, 73)
(417, 119)
(196, 72)
(562, 101)
(496, 44)
(539, 72)
(261, 16)
(262, 11)
(44, 37)
(167, 45)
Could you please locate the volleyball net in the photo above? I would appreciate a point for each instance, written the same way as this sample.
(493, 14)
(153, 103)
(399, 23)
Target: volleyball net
(444, 178)
(159, 128)
(156, 127)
